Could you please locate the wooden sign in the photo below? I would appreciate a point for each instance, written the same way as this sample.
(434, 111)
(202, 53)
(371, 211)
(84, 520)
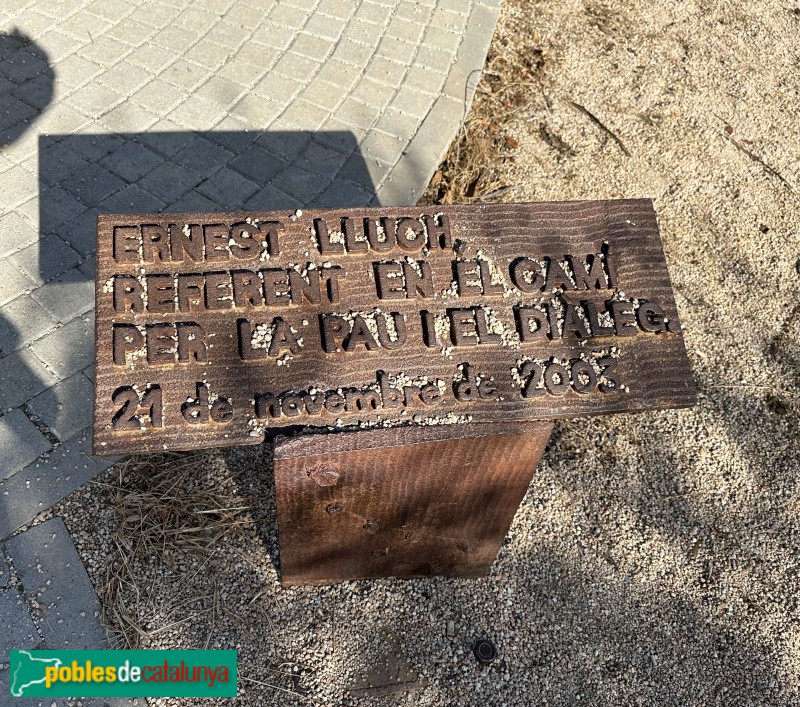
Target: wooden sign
(215, 328)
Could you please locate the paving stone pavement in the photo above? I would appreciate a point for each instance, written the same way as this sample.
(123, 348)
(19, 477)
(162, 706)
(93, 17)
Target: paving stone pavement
(51, 577)
(149, 105)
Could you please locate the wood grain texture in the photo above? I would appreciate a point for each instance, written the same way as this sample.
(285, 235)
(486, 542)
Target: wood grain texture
(409, 502)
(652, 368)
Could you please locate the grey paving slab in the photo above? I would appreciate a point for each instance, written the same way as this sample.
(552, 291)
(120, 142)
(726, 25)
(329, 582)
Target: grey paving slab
(228, 187)
(66, 297)
(22, 376)
(131, 161)
(258, 164)
(46, 481)
(52, 574)
(20, 441)
(15, 233)
(46, 259)
(130, 199)
(80, 233)
(462, 80)
(66, 350)
(18, 185)
(5, 688)
(13, 282)
(64, 163)
(66, 408)
(93, 186)
(17, 630)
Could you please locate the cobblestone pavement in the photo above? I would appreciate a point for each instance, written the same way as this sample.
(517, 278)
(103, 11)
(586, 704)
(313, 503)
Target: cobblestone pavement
(150, 105)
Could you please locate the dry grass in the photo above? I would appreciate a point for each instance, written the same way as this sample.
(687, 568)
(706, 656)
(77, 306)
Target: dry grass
(166, 514)
(474, 167)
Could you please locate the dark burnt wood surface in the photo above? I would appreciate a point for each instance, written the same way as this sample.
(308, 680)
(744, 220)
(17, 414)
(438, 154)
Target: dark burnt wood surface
(653, 367)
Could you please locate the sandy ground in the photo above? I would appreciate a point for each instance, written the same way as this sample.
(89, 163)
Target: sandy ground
(654, 560)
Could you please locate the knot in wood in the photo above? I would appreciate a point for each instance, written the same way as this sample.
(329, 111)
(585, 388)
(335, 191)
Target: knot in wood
(324, 474)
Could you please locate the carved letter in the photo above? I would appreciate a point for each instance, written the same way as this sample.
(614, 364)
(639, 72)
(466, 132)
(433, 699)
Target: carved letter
(463, 329)
(333, 329)
(419, 279)
(651, 318)
(332, 283)
(594, 320)
(191, 343)
(527, 275)
(624, 320)
(391, 397)
(190, 292)
(216, 236)
(438, 233)
(361, 400)
(399, 322)
(465, 269)
(125, 337)
(374, 230)
(246, 288)
(160, 293)
(128, 294)
(531, 323)
(126, 243)
(155, 242)
(187, 239)
(334, 403)
(245, 245)
(353, 244)
(276, 287)
(282, 336)
(160, 344)
(267, 405)
(410, 234)
(557, 277)
(429, 334)
(489, 288)
(389, 279)
(324, 238)
(593, 277)
(218, 290)
(573, 323)
(271, 229)
(307, 287)
(359, 334)
(485, 336)
(246, 350)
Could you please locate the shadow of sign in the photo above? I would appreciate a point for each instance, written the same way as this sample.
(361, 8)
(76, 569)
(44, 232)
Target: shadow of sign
(49, 382)
(26, 84)
(82, 176)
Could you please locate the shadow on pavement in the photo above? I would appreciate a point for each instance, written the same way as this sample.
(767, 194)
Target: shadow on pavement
(26, 84)
(81, 176)
(26, 89)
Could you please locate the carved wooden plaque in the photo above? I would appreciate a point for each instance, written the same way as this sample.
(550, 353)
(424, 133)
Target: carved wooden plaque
(213, 328)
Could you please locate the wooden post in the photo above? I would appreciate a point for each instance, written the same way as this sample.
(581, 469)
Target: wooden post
(403, 502)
